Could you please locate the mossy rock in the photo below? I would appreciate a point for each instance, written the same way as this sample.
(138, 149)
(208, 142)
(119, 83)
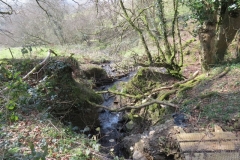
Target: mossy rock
(155, 113)
(130, 125)
(148, 78)
(94, 71)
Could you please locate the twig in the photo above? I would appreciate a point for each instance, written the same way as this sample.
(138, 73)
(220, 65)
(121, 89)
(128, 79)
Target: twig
(226, 70)
(53, 125)
(10, 8)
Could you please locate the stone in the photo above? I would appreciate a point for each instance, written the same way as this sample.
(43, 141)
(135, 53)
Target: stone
(130, 125)
(138, 156)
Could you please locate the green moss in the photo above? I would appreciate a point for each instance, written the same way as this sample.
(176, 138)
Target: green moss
(153, 107)
(146, 79)
(155, 113)
(186, 86)
(94, 71)
(67, 97)
(133, 117)
(166, 95)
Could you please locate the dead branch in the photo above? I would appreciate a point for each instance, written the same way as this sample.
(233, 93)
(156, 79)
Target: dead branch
(9, 8)
(152, 92)
(119, 93)
(170, 87)
(35, 68)
(135, 107)
(39, 65)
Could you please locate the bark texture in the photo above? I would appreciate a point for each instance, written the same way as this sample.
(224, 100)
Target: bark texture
(207, 40)
(230, 26)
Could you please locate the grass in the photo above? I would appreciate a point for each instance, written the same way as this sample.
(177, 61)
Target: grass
(214, 99)
(16, 52)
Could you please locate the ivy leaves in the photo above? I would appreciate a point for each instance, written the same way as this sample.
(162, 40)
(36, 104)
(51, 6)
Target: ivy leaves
(204, 9)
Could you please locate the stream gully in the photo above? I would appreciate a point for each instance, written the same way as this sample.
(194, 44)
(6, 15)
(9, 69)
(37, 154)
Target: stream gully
(109, 121)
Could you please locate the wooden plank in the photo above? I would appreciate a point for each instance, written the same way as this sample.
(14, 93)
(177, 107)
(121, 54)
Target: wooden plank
(209, 146)
(191, 137)
(212, 156)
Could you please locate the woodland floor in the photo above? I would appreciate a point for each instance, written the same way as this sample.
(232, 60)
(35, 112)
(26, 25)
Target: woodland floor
(214, 100)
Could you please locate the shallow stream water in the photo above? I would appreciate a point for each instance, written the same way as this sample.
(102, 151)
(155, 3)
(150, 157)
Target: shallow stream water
(110, 120)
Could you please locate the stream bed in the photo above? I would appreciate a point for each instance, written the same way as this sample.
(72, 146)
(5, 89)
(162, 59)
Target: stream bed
(110, 121)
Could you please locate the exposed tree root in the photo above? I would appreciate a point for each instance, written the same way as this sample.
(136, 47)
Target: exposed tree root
(152, 92)
(223, 73)
(148, 95)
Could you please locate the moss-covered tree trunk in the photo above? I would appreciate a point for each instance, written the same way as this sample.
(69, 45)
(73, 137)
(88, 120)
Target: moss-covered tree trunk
(230, 26)
(163, 25)
(207, 40)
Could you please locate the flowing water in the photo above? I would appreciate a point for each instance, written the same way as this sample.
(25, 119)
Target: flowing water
(110, 126)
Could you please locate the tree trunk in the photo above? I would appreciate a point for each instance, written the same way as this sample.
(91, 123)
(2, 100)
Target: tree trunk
(140, 32)
(207, 40)
(228, 30)
(163, 25)
(145, 47)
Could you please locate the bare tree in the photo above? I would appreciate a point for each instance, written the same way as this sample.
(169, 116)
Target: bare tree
(7, 8)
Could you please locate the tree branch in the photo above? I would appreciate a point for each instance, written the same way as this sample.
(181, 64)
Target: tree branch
(170, 87)
(118, 93)
(35, 68)
(43, 8)
(6, 12)
(39, 65)
(134, 107)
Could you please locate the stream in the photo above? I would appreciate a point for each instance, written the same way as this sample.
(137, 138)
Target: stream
(109, 121)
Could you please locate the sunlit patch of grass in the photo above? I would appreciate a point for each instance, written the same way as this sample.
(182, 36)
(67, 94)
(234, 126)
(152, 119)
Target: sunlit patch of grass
(16, 53)
(5, 53)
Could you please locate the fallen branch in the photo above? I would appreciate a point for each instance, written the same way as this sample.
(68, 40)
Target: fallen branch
(223, 73)
(35, 68)
(152, 92)
(40, 64)
(175, 84)
(135, 107)
(119, 93)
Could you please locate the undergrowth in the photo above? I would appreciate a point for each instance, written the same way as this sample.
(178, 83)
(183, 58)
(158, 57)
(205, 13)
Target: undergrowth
(30, 132)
